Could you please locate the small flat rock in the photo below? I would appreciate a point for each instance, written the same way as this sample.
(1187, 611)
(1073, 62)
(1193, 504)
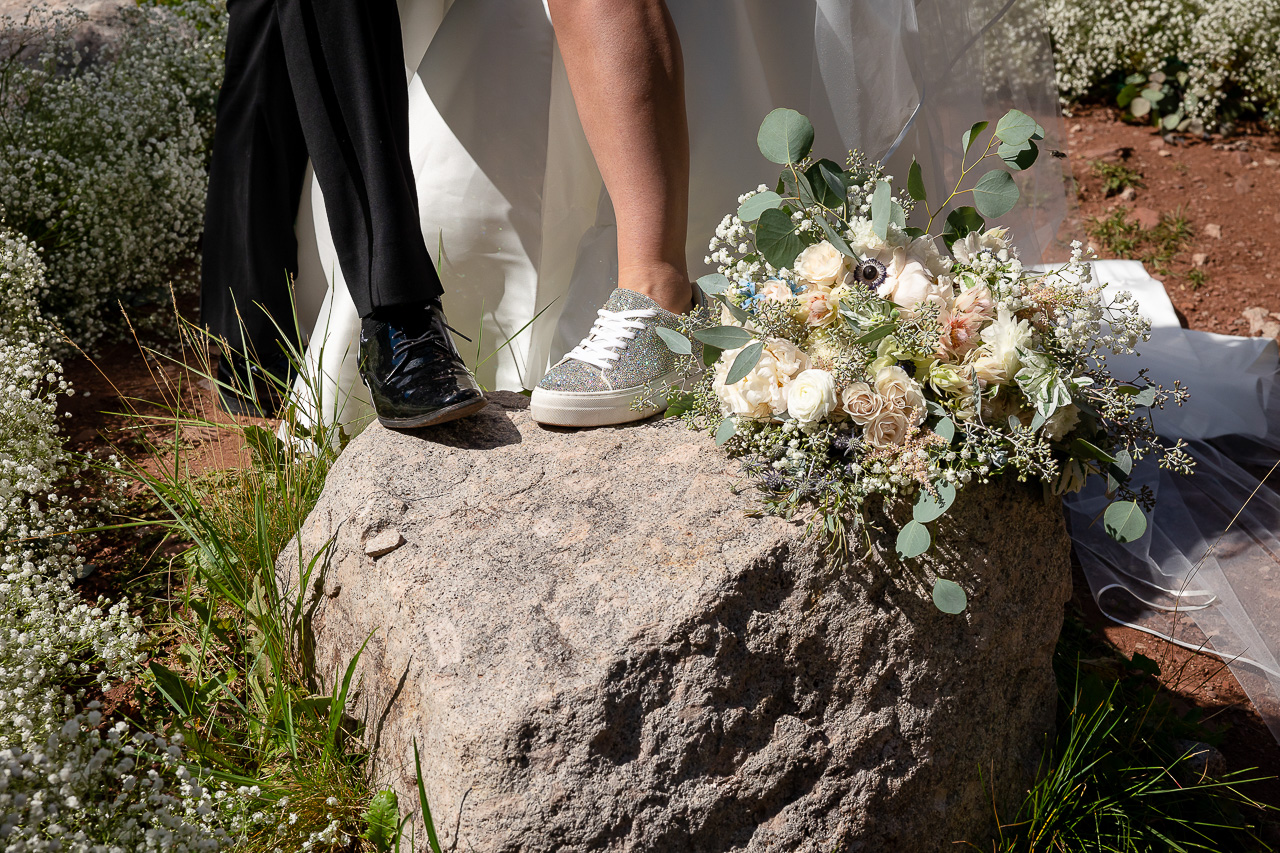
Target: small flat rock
(596, 648)
(1262, 323)
(1243, 185)
(1146, 217)
(1128, 194)
(1199, 259)
(1213, 232)
(383, 543)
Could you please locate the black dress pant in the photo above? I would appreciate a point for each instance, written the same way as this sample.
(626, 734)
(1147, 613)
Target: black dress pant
(322, 79)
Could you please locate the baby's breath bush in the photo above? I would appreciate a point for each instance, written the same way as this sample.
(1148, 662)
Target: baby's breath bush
(102, 162)
(65, 784)
(1227, 50)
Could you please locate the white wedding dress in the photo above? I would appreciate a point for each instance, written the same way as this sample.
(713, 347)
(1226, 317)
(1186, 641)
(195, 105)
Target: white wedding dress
(515, 213)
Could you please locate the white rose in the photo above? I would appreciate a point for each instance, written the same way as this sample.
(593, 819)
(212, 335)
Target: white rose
(775, 291)
(987, 370)
(908, 283)
(759, 394)
(822, 308)
(887, 429)
(790, 358)
(820, 264)
(811, 396)
(1061, 422)
(861, 402)
(900, 390)
(1003, 338)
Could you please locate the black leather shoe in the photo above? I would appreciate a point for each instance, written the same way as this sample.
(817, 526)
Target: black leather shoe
(251, 389)
(414, 373)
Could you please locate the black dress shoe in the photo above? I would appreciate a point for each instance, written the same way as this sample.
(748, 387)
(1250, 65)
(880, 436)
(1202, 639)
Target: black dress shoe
(251, 389)
(414, 373)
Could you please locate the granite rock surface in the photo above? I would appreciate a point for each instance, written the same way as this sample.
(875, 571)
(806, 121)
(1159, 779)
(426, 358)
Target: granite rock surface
(596, 648)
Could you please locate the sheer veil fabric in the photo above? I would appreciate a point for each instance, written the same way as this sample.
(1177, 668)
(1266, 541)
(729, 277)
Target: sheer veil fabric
(516, 215)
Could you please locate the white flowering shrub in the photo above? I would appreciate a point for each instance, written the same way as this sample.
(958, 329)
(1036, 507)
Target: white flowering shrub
(102, 163)
(1224, 55)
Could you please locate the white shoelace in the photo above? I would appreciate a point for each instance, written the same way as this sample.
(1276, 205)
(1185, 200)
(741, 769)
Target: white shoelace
(609, 336)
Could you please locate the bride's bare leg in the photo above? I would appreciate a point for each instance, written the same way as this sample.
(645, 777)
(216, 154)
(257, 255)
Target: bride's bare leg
(627, 75)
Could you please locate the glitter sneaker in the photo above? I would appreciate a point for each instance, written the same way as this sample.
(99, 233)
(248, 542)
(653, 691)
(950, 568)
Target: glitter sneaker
(621, 358)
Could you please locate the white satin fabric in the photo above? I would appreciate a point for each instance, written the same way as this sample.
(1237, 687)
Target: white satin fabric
(1207, 573)
(513, 207)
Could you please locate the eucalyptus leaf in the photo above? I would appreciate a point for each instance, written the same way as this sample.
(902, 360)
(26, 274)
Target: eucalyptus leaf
(1085, 450)
(725, 431)
(1139, 107)
(826, 183)
(881, 331)
(835, 239)
(915, 181)
(1171, 121)
(971, 135)
(777, 240)
(1124, 521)
(913, 540)
(745, 362)
(710, 354)
(734, 311)
(949, 597)
(724, 337)
(961, 221)
(881, 209)
(928, 508)
(750, 210)
(1124, 461)
(785, 137)
(1019, 157)
(1016, 127)
(945, 429)
(713, 283)
(676, 342)
(897, 215)
(995, 194)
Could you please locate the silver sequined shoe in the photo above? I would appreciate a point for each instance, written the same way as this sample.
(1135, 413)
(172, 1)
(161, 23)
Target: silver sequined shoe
(597, 382)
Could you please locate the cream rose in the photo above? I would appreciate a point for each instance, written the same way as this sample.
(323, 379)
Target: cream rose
(908, 282)
(811, 396)
(900, 390)
(820, 264)
(886, 429)
(760, 394)
(775, 291)
(790, 358)
(821, 308)
(861, 402)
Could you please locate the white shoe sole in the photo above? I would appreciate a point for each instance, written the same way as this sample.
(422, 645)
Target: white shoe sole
(597, 408)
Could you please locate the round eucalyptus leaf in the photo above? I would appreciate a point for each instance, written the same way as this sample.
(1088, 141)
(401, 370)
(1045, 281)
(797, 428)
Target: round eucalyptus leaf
(949, 597)
(777, 240)
(785, 137)
(1016, 127)
(676, 342)
(961, 221)
(913, 540)
(1124, 521)
(995, 194)
(971, 135)
(1020, 157)
(1171, 121)
(724, 337)
(713, 283)
(745, 362)
(945, 429)
(750, 210)
(725, 431)
(1139, 107)
(929, 508)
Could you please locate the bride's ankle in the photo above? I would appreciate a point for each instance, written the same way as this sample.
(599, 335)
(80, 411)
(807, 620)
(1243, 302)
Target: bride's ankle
(669, 288)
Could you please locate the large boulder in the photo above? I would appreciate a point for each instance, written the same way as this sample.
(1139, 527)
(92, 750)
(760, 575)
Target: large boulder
(596, 646)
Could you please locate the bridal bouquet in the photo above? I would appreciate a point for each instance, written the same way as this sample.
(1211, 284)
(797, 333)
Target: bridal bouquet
(850, 359)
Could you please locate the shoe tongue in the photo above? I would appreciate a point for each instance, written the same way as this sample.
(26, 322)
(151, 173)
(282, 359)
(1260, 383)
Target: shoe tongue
(629, 300)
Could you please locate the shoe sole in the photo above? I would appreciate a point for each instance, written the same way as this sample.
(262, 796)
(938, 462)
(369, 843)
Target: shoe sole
(595, 408)
(440, 416)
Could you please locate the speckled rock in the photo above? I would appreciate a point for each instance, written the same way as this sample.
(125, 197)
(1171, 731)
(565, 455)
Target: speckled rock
(597, 649)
